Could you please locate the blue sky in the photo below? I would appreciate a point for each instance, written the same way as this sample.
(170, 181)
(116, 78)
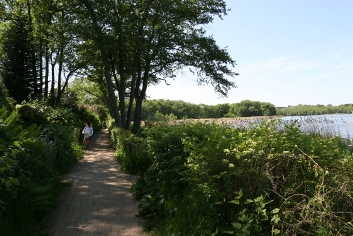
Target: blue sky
(288, 52)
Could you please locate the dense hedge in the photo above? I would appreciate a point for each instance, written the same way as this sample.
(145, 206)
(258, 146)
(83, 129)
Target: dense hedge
(270, 179)
(38, 143)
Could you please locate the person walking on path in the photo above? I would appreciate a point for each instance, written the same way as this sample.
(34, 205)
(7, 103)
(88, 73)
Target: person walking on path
(87, 135)
(99, 201)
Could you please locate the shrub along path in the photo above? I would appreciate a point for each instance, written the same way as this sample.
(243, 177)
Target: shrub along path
(99, 202)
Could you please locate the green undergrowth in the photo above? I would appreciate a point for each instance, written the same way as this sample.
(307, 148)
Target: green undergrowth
(209, 179)
(34, 154)
(130, 151)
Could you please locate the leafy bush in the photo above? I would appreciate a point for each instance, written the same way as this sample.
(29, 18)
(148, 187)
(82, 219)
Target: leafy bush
(30, 115)
(85, 115)
(67, 152)
(130, 151)
(5, 100)
(72, 116)
(269, 179)
(28, 181)
(33, 154)
(165, 186)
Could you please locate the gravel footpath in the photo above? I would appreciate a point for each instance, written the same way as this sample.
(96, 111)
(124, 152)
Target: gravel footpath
(99, 202)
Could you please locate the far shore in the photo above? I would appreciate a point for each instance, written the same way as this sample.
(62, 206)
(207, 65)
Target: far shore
(229, 119)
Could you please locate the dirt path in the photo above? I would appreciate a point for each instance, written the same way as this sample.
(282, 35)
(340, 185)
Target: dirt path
(99, 202)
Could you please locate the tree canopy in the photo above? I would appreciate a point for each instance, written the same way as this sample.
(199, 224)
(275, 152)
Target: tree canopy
(127, 44)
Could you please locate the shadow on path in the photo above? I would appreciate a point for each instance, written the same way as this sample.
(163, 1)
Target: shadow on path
(99, 202)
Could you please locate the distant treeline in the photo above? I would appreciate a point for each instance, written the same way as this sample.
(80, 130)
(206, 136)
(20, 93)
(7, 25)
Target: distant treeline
(180, 109)
(306, 110)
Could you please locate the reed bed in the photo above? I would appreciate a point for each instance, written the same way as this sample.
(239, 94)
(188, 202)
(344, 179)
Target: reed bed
(322, 125)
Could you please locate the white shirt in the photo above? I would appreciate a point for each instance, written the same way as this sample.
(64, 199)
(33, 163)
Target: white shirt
(87, 131)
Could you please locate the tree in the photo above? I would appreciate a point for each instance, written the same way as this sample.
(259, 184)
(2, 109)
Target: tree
(148, 41)
(51, 48)
(267, 109)
(57, 46)
(175, 39)
(222, 110)
(132, 43)
(5, 101)
(97, 35)
(18, 67)
(90, 90)
(248, 108)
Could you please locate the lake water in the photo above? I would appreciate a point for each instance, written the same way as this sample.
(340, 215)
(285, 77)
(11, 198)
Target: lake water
(334, 124)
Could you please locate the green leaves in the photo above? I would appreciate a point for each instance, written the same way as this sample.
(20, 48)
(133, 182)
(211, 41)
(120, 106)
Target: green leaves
(268, 179)
(10, 182)
(275, 219)
(30, 161)
(130, 151)
(248, 108)
(252, 214)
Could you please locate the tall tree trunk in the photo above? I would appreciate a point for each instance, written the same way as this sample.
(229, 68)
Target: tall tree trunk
(107, 70)
(105, 96)
(120, 85)
(46, 78)
(132, 91)
(122, 100)
(41, 66)
(139, 99)
(107, 74)
(59, 93)
(108, 104)
(33, 54)
(135, 85)
(61, 62)
(34, 71)
(137, 116)
(48, 21)
(52, 87)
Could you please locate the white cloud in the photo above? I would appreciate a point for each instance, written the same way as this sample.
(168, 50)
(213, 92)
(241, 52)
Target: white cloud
(334, 74)
(348, 64)
(283, 63)
(337, 53)
(302, 66)
(266, 65)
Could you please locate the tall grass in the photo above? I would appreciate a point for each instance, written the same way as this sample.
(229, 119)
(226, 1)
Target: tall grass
(321, 126)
